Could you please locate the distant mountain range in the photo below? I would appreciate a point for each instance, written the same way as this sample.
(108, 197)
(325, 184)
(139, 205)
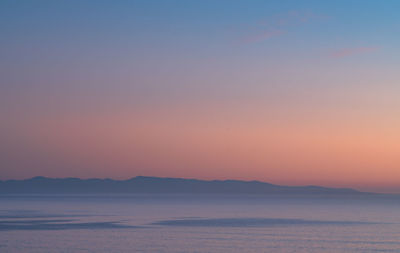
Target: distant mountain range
(157, 185)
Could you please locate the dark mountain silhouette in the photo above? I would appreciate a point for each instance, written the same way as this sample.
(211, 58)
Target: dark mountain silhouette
(140, 184)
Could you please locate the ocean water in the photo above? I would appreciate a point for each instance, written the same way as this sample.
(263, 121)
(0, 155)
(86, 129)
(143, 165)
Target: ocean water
(181, 223)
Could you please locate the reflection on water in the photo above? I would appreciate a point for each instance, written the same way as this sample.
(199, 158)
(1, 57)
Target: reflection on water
(201, 224)
(23, 214)
(251, 222)
(22, 220)
(57, 225)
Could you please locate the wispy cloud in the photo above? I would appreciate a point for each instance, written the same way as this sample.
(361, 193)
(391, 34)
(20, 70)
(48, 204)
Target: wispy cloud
(261, 36)
(291, 18)
(277, 25)
(345, 52)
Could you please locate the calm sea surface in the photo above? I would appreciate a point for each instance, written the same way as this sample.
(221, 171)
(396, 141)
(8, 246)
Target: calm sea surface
(140, 223)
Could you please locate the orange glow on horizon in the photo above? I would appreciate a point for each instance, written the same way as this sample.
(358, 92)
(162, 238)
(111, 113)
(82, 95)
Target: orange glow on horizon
(212, 144)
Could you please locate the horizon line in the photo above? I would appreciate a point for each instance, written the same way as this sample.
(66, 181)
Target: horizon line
(190, 178)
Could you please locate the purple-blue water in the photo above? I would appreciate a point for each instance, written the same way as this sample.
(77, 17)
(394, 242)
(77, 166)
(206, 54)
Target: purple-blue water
(149, 223)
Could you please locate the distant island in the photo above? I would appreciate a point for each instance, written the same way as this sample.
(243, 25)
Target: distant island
(157, 185)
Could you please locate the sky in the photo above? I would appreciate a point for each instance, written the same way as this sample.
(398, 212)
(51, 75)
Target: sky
(287, 92)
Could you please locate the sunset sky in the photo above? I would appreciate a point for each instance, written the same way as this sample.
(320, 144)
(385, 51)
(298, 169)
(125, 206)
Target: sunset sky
(288, 92)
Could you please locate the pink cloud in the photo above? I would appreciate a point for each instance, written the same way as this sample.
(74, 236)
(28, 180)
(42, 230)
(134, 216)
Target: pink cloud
(277, 25)
(345, 52)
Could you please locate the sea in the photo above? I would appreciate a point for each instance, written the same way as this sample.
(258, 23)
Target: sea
(199, 223)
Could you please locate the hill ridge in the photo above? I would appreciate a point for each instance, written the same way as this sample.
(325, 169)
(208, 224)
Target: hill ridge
(148, 184)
